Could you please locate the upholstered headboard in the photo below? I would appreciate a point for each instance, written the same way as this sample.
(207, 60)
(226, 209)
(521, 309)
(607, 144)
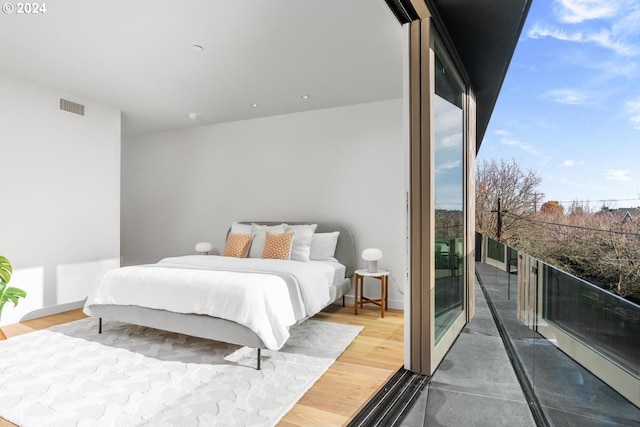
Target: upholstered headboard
(346, 247)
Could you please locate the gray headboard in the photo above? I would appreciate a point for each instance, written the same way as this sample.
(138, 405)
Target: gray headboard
(346, 248)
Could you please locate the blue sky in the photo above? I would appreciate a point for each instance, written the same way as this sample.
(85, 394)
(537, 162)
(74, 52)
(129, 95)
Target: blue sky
(569, 108)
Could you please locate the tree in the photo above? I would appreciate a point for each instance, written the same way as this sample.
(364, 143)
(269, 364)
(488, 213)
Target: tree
(592, 246)
(517, 191)
(597, 246)
(577, 208)
(552, 208)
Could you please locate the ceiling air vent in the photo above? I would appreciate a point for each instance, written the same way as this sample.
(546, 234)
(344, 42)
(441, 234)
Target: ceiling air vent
(72, 107)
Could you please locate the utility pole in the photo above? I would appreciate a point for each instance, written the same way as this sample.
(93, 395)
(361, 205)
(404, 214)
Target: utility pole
(499, 211)
(535, 202)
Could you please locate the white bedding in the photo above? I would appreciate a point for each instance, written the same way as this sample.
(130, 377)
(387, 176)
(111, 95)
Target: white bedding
(339, 271)
(265, 295)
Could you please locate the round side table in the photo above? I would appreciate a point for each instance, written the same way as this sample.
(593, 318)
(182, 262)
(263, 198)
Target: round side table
(360, 299)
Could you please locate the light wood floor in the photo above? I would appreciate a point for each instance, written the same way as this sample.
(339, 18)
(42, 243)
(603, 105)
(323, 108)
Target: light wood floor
(365, 366)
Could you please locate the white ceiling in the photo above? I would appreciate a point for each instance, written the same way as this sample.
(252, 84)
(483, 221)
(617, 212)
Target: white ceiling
(137, 56)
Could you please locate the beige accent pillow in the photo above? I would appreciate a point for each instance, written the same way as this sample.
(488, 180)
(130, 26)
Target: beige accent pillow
(259, 231)
(237, 245)
(277, 245)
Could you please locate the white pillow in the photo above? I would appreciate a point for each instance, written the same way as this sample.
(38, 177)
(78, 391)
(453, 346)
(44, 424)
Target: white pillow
(301, 247)
(323, 246)
(259, 234)
(238, 228)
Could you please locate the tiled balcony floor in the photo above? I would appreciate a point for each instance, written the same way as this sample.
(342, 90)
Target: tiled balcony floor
(567, 392)
(475, 385)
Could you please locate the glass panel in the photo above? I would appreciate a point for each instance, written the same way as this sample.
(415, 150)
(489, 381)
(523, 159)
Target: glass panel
(512, 260)
(495, 250)
(449, 198)
(601, 320)
(543, 312)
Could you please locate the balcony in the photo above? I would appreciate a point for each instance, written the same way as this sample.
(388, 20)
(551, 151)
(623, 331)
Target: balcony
(575, 344)
(506, 373)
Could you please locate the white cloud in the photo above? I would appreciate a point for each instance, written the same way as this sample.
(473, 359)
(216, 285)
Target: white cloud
(567, 96)
(603, 38)
(621, 175)
(502, 132)
(453, 140)
(615, 69)
(568, 163)
(629, 18)
(577, 11)
(448, 165)
(539, 31)
(632, 108)
(622, 15)
(523, 146)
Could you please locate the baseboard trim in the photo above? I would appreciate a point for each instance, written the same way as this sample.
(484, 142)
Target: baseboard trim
(51, 310)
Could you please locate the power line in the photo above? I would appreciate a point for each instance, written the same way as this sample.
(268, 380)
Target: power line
(566, 233)
(606, 258)
(600, 200)
(535, 200)
(580, 227)
(574, 237)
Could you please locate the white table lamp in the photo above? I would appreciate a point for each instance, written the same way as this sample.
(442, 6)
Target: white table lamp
(372, 255)
(203, 248)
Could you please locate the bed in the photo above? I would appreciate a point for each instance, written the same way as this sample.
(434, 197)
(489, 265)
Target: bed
(138, 309)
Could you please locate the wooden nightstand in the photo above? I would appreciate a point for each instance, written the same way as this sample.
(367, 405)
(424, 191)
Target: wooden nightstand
(360, 299)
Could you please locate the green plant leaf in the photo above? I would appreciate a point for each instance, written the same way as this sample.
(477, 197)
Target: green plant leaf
(13, 295)
(5, 270)
(8, 293)
(16, 293)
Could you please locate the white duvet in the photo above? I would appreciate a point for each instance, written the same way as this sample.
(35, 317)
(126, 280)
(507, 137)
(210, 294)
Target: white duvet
(267, 296)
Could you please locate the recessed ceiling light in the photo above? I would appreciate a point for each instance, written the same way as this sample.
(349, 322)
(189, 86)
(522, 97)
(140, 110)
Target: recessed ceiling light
(192, 116)
(254, 105)
(197, 47)
(305, 97)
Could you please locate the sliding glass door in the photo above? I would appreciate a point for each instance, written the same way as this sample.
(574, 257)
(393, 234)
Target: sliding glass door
(442, 157)
(448, 146)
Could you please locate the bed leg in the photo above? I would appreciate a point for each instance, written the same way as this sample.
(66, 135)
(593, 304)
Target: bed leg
(343, 300)
(258, 359)
(99, 325)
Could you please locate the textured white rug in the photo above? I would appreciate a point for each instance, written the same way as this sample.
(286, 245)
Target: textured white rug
(69, 375)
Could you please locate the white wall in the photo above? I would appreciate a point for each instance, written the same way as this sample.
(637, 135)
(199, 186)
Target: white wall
(60, 193)
(343, 164)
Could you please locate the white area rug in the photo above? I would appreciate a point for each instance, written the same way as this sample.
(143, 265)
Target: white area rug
(69, 375)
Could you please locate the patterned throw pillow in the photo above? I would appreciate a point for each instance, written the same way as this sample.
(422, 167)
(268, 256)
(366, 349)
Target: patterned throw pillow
(237, 245)
(277, 245)
(259, 232)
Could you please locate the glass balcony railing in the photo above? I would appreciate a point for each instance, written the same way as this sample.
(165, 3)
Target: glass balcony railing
(496, 250)
(575, 345)
(607, 323)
